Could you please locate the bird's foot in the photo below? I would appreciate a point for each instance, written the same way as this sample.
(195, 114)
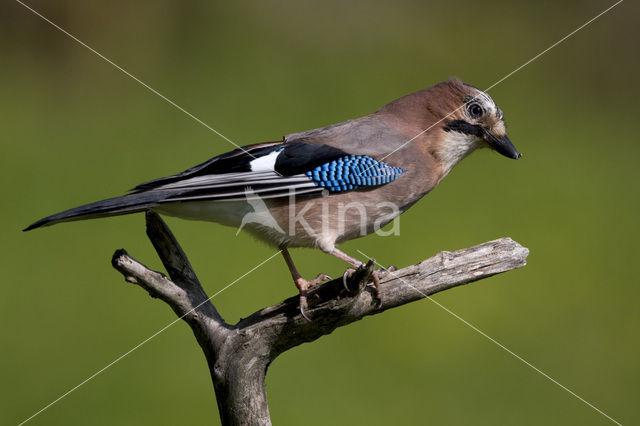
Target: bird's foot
(374, 279)
(321, 278)
(304, 286)
(383, 272)
(377, 275)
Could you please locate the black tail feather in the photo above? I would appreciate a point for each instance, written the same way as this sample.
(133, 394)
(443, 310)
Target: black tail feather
(110, 207)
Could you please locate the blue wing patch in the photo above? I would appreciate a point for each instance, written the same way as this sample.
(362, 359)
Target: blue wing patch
(353, 172)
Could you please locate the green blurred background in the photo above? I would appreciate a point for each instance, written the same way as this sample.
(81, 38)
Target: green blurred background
(75, 129)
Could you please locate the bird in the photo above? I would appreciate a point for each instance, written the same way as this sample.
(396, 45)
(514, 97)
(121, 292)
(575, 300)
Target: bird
(321, 187)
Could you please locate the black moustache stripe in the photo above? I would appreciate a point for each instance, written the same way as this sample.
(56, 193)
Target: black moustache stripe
(464, 127)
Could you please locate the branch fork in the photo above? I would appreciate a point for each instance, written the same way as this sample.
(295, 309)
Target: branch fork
(238, 355)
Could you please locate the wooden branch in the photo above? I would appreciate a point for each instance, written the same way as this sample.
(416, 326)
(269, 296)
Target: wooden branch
(238, 356)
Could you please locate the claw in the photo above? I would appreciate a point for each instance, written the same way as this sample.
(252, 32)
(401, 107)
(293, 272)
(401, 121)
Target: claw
(319, 279)
(346, 275)
(303, 306)
(382, 272)
(304, 315)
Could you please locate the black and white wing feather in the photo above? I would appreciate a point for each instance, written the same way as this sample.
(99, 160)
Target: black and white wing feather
(269, 170)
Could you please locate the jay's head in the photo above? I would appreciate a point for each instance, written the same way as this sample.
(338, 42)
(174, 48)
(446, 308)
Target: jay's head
(459, 117)
(476, 120)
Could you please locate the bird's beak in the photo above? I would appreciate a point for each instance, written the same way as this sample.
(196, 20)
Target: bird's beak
(501, 144)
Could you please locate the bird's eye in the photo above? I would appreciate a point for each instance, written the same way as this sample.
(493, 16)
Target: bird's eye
(475, 110)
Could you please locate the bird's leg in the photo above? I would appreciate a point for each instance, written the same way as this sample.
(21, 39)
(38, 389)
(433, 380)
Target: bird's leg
(375, 276)
(302, 284)
(344, 256)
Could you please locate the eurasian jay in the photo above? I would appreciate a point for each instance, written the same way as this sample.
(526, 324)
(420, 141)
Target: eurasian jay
(324, 186)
